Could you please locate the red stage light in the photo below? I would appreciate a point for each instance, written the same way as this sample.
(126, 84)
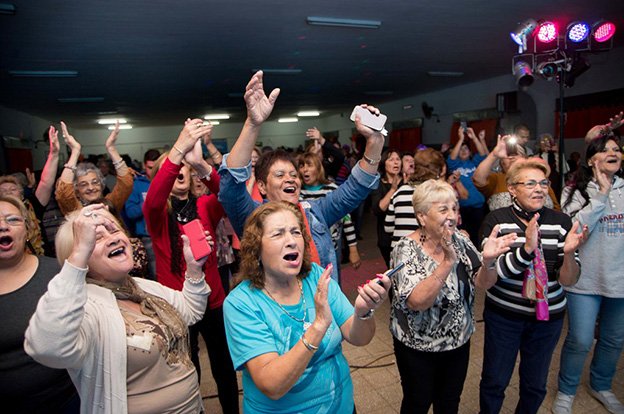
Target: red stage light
(604, 31)
(547, 32)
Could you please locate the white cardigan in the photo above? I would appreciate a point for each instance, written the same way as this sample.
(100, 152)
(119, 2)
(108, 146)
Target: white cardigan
(79, 327)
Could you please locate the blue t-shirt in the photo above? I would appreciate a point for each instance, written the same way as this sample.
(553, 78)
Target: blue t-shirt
(255, 325)
(466, 170)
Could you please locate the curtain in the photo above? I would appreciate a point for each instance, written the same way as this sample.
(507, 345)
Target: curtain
(406, 140)
(581, 120)
(18, 159)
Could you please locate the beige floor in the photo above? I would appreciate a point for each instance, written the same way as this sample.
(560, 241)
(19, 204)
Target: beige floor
(375, 376)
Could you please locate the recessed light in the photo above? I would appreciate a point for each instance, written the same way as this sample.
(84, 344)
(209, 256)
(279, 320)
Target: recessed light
(337, 22)
(112, 121)
(216, 116)
(278, 71)
(284, 120)
(445, 73)
(127, 126)
(44, 73)
(308, 113)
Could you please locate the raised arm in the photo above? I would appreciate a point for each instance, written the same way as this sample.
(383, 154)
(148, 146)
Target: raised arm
(67, 176)
(259, 107)
(121, 168)
(46, 184)
(483, 171)
(478, 141)
(460, 141)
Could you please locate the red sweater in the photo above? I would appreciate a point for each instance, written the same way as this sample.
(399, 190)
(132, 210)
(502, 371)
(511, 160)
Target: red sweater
(209, 212)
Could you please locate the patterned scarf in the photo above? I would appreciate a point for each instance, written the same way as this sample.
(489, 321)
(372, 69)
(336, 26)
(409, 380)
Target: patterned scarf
(175, 329)
(314, 255)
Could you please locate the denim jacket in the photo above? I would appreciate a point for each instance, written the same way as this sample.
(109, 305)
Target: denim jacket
(321, 213)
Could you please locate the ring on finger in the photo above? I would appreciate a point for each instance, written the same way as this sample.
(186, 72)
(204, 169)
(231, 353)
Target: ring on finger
(87, 213)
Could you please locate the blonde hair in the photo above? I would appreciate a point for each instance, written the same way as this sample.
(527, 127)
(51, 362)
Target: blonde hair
(17, 203)
(526, 164)
(429, 192)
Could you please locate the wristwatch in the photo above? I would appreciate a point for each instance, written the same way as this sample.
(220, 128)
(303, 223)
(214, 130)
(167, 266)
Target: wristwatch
(370, 161)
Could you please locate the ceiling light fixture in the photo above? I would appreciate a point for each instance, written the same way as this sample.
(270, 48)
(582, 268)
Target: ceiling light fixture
(216, 116)
(278, 71)
(112, 127)
(285, 120)
(522, 32)
(308, 113)
(111, 121)
(211, 123)
(445, 73)
(87, 99)
(7, 8)
(44, 73)
(337, 22)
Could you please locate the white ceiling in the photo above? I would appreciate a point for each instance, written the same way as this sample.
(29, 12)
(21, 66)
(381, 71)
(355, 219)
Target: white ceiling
(157, 62)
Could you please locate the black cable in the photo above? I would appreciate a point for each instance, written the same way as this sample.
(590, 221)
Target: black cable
(369, 366)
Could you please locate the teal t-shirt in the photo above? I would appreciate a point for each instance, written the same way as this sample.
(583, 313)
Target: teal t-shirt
(256, 325)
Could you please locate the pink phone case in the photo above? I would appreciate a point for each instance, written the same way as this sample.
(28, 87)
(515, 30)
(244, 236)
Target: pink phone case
(199, 245)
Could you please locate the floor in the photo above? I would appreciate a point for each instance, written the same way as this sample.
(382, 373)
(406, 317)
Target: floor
(377, 388)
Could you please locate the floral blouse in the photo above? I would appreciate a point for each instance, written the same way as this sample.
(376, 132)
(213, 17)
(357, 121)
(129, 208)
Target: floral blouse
(449, 322)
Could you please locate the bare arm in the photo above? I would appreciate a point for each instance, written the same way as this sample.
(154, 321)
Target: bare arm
(455, 151)
(67, 175)
(46, 185)
(120, 166)
(483, 171)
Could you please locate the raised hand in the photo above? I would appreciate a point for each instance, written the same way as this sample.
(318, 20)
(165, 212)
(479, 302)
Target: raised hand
(321, 303)
(85, 235)
(73, 144)
(454, 177)
(193, 130)
(30, 177)
(601, 177)
(450, 255)
(112, 138)
(616, 121)
(259, 106)
(575, 239)
(363, 129)
(495, 246)
(531, 234)
(54, 142)
(313, 133)
(471, 134)
(500, 150)
(194, 268)
(482, 135)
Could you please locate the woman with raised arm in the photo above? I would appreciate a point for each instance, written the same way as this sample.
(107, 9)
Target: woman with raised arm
(82, 183)
(286, 320)
(123, 340)
(595, 201)
(432, 318)
(169, 205)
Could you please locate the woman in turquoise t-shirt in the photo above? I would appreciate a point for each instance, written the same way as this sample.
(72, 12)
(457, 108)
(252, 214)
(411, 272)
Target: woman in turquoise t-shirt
(286, 321)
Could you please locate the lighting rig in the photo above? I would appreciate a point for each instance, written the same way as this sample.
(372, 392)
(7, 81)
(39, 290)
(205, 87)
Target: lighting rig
(545, 52)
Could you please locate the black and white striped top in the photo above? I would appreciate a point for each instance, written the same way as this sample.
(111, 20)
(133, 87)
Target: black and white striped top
(400, 218)
(506, 295)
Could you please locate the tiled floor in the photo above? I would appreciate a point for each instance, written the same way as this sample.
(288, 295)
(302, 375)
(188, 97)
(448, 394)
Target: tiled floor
(374, 373)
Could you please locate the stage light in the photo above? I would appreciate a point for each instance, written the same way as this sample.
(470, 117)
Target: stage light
(523, 73)
(524, 30)
(547, 32)
(547, 70)
(578, 31)
(579, 66)
(603, 31)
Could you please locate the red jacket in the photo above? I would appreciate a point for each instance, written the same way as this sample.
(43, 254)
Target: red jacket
(209, 212)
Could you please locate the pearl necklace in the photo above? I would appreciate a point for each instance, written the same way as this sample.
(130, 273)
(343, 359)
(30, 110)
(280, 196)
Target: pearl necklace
(303, 320)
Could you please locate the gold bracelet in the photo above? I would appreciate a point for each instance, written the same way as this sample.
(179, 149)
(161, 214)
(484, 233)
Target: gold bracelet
(178, 149)
(308, 345)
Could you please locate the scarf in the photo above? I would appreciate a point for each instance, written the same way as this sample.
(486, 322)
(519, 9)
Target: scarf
(175, 329)
(314, 255)
(535, 283)
(182, 211)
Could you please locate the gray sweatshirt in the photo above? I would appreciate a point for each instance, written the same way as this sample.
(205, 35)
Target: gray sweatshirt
(602, 255)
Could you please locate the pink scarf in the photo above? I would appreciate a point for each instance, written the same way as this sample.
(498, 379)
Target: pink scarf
(535, 284)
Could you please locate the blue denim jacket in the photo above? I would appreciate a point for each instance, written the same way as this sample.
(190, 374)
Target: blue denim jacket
(321, 213)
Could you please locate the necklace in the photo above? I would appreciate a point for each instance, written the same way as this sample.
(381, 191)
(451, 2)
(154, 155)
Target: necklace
(303, 320)
(181, 218)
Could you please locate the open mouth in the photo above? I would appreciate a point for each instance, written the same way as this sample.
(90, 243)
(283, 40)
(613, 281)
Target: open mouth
(6, 241)
(290, 189)
(117, 252)
(291, 257)
(612, 161)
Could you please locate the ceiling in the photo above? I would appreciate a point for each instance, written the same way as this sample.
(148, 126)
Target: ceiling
(157, 62)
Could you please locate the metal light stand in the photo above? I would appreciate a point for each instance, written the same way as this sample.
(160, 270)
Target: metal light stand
(562, 157)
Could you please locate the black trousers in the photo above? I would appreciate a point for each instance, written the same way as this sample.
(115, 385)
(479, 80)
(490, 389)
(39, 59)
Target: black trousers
(431, 378)
(212, 329)
(472, 217)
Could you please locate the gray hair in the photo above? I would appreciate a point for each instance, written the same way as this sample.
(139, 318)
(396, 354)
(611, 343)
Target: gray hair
(85, 168)
(429, 192)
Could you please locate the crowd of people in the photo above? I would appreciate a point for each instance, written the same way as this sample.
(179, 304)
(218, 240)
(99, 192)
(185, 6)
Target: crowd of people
(103, 313)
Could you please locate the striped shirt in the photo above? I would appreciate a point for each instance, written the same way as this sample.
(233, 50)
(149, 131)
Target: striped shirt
(400, 218)
(506, 295)
(346, 224)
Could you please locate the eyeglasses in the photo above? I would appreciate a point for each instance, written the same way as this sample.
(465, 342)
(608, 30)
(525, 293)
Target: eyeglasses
(614, 149)
(85, 184)
(531, 184)
(12, 220)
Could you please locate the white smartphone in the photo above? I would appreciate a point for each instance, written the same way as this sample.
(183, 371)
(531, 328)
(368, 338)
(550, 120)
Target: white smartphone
(369, 119)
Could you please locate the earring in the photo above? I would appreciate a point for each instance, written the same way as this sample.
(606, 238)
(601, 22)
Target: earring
(423, 235)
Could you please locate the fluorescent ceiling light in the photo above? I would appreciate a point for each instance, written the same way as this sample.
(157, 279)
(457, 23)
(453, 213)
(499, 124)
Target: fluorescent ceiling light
(308, 113)
(293, 119)
(112, 121)
(120, 127)
(216, 116)
(212, 123)
(335, 22)
(44, 73)
(278, 71)
(445, 73)
(7, 8)
(88, 99)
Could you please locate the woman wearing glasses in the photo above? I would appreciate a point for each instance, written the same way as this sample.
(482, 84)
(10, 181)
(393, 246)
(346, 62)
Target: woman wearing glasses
(525, 302)
(83, 183)
(595, 201)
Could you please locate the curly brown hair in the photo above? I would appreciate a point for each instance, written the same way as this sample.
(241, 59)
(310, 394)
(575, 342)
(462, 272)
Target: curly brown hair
(251, 244)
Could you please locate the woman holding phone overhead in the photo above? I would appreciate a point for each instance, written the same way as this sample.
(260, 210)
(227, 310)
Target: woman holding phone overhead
(432, 305)
(286, 320)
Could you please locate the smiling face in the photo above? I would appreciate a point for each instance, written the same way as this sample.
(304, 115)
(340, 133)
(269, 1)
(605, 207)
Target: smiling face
(111, 259)
(441, 215)
(282, 248)
(12, 190)
(12, 232)
(89, 188)
(282, 182)
(531, 199)
(609, 160)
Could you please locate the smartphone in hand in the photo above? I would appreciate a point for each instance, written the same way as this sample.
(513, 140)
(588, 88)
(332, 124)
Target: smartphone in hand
(392, 272)
(375, 122)
(197, 238)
